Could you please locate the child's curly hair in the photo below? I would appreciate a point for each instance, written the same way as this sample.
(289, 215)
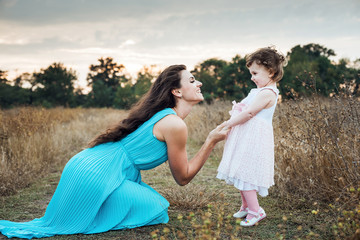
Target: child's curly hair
(271, 59)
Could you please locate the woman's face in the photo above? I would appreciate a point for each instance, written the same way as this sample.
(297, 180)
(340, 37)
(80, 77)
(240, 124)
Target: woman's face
(260, 75)
(190, 87)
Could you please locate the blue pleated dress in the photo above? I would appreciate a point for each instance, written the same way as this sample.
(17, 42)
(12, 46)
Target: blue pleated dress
(101, 189)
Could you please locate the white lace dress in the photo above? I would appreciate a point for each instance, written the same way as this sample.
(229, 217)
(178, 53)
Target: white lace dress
(248, 157)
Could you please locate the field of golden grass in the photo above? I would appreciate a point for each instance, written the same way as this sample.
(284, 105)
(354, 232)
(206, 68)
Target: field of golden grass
(317, 155)
(318, 148)
(35, 141)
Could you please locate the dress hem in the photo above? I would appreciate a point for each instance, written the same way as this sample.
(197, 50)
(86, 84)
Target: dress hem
(243, 186)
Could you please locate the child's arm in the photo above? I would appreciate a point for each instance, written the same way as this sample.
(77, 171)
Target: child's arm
(264, 99)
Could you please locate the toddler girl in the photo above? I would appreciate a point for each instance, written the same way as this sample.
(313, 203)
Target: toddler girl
(248, 157)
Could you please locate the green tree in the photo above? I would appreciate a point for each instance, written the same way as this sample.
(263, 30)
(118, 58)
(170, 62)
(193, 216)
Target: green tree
(101, 95)
(54, 86)
(27, 81)
(350, 73)
(4, 90)
(309, 67)
(143, 81)
(124, 97)
(24, 80)
(3, 76)
(104, 79)
(80, 99)
(236, 80)
(355, 72)
(127, 94)
(12, 95)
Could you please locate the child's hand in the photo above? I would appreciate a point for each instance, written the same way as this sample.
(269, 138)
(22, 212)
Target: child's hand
(225, 125)
(225, 128)
(220, 132)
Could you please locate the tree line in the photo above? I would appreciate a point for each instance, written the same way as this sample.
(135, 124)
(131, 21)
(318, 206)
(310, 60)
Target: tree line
(309, 67)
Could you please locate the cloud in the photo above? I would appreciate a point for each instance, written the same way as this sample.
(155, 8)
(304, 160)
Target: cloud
(5, 41)
(36, 33)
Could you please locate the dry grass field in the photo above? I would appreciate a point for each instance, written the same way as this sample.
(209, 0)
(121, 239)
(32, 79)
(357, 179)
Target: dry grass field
(35, 141)
(317, 171)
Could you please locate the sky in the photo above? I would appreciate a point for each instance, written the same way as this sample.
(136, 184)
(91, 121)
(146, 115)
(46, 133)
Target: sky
(137, 33)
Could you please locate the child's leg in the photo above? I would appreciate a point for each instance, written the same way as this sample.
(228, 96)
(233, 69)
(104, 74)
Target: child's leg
(252, 202)
(244, 204)
(243, 209)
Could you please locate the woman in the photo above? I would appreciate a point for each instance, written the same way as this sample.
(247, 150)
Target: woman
(101, 189)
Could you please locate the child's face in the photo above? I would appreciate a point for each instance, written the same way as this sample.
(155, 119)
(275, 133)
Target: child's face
(260, 75)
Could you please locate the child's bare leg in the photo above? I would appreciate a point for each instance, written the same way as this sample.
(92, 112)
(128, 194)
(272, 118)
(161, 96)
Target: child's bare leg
(252, 202)
(244, 204)
(243, 209)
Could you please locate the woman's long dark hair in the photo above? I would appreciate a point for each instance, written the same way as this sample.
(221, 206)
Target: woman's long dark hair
(156, 99)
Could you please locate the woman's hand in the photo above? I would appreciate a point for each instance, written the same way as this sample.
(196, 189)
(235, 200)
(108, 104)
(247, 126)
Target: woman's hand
(219, 133)
(173, 130)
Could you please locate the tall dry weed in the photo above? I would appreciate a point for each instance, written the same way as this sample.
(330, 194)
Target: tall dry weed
(33, 141)
(318, 147)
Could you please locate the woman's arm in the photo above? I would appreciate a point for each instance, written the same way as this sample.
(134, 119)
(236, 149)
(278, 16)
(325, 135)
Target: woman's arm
(264, 99)
(174, 132)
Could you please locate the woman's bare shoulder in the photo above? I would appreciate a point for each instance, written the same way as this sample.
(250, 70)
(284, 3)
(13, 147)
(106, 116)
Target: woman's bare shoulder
(172, 121)
(170, 126)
